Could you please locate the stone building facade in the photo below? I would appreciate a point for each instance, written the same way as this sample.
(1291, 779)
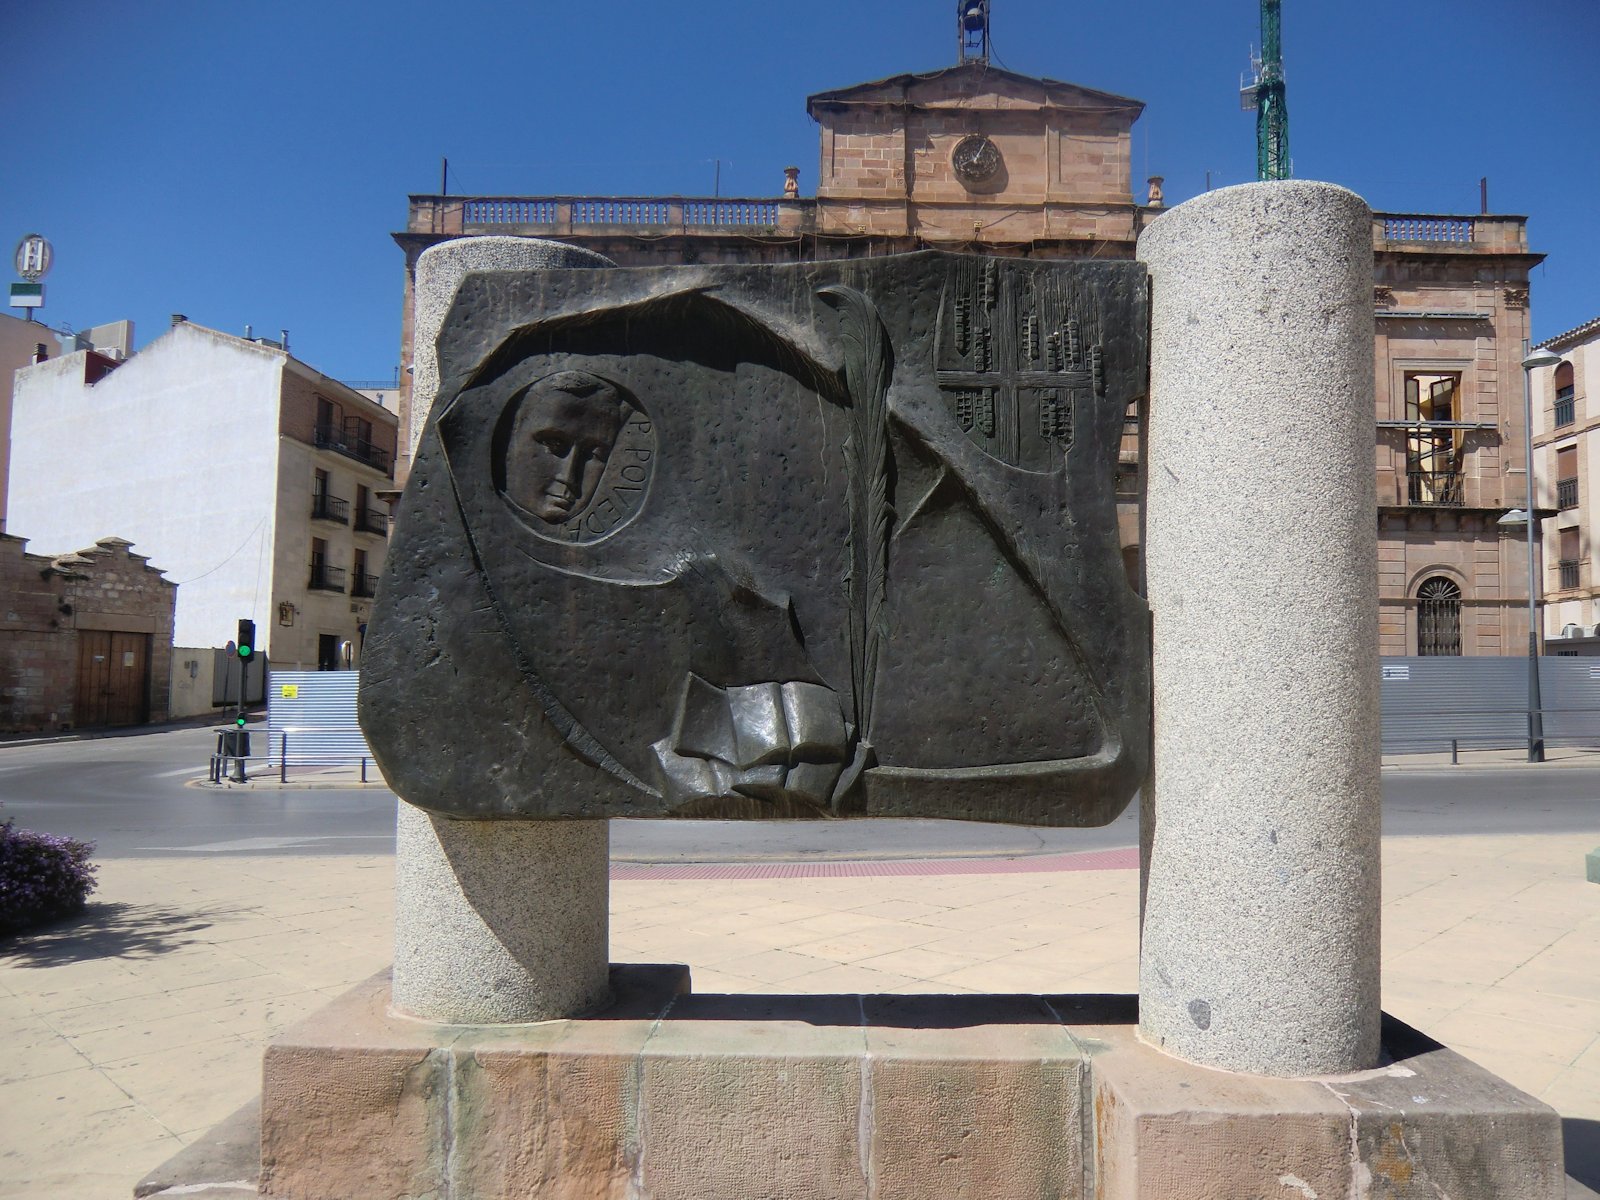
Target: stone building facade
(85, 637)
(1452, 321)
(974, 158)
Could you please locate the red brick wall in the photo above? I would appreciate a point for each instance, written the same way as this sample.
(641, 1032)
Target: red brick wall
(38, 651)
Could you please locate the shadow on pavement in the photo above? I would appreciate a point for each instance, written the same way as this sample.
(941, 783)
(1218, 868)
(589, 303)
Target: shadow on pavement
(1582, 1141)
(112, 930)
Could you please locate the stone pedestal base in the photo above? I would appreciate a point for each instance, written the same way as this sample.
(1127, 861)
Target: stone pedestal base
(670, 1095)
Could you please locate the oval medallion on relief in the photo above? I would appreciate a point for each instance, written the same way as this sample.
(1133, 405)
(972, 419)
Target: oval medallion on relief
(573, 457)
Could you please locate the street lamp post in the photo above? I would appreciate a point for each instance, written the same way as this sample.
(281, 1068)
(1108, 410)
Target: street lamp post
(1538, 358)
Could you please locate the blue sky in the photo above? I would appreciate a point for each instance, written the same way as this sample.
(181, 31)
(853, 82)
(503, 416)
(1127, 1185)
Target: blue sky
(245, 162)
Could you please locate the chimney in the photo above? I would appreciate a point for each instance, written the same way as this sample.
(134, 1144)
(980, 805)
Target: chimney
(40, 354)
(285, 342)
(179, 319)
(248, 330)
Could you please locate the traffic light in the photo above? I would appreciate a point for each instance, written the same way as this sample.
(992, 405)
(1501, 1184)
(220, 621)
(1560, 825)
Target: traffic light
(239, 721)
(247, 639)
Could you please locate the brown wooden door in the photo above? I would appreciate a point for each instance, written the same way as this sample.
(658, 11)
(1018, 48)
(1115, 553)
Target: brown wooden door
(113, 677)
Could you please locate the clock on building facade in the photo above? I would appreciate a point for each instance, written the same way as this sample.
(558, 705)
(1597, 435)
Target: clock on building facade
(975, 159)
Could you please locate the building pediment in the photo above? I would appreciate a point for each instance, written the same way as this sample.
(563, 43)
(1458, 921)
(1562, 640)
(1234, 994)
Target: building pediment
(968, 84)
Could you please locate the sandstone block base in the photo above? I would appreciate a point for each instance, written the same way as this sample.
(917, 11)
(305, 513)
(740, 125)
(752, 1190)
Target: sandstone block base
(1428, 1123)
(669, 1095)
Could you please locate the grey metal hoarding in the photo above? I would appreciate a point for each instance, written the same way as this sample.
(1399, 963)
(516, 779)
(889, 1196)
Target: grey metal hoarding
(316, 710)
(1482, 702)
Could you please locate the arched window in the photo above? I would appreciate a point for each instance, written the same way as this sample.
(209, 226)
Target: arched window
(1438, 617)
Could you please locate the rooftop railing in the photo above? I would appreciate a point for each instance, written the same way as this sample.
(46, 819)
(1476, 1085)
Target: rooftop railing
(779, 216)
(1431, 232)
(1428, 229)
(591, 214)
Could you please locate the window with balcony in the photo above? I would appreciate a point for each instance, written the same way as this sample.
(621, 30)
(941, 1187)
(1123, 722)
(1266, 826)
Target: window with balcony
(371, 517)
(1433, 442)
(1570, 563)
(361, 583)
(324, 577)
(1566, 404)
(325, 506)
(327, 420)
(1438, 617)
(1567, 478)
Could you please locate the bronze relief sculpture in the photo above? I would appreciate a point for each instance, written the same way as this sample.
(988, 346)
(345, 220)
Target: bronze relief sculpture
(823, 539)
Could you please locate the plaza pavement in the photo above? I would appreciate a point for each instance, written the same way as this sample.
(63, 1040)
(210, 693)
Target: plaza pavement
(128, 1033)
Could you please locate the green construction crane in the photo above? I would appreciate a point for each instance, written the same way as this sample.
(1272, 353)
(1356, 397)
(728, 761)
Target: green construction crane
(1265, 97)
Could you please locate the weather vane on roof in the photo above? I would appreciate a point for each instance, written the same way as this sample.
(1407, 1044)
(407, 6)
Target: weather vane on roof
(972, 17)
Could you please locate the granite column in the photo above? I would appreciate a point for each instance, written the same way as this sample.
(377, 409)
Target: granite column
(1260, 941)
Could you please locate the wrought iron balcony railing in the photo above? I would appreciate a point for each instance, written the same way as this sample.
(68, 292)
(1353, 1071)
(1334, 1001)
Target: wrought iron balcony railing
(1566, 410)
(1567, 493)
(1434, 487)
(369, 520)
(1569, 573)
(329, 508)
(360, 449)
(325, 578)
(364, 584)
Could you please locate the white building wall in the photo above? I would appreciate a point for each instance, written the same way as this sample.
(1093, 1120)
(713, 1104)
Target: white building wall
(177, 451)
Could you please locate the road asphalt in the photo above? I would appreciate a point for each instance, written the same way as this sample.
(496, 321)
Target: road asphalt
(145, 795)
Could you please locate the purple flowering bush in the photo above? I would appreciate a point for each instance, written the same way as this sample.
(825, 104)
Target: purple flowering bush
(42, 877)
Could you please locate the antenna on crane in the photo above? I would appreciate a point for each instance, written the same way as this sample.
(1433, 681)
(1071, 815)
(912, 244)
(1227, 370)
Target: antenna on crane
(972, 30)
(1265, 97)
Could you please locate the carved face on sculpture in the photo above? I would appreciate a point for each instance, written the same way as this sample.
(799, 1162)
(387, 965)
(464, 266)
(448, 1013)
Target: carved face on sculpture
(561, 433)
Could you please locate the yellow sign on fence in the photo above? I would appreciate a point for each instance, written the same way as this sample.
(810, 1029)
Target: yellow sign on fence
(290, 691)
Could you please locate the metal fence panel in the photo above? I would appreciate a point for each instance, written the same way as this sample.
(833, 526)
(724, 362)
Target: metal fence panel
(316, 710)
(1482, 702)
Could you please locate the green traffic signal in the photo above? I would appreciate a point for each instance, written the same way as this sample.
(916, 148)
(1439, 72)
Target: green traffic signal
(239, 720)
(244, 651)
